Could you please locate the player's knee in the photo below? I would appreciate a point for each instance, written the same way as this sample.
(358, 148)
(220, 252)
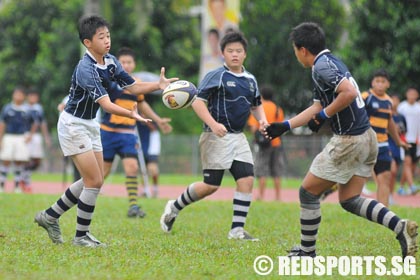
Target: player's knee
(210, 189)
(95, 182)
(308, 200)
(241, 170)
(352, 204)
(213, 177)
(153, 169)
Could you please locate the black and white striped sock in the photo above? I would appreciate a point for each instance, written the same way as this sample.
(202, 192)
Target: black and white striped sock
(373, 211)
(18, 175)
(3, 174)
(241, 204)
(66, 201)
(186, 198)
(85, 208)
(310, 218)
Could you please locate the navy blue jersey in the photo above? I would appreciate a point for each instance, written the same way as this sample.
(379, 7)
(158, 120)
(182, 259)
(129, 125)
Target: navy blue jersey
(37, 113)
(17, 118)
(327, 74)
(92, 81)
(229, 97)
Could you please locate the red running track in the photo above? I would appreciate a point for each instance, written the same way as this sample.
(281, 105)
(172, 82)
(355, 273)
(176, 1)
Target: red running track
(172, 192)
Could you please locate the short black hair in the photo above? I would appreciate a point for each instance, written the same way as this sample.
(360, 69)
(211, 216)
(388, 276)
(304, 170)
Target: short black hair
(88, 26)
(126, 51)
(32, 90)
(20, 88)
(233, 37)
(380, 73)
(267, 92)
(214, 31)
(310, 36)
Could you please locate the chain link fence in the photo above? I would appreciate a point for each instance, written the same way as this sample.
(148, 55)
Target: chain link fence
(180, 155)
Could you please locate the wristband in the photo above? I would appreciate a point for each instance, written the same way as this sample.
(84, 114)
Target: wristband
(287, 123)
(323, 114)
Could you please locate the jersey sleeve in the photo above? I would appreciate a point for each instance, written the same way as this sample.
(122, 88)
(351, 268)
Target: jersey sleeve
(209, 85)
(329, 74)
(257, 99)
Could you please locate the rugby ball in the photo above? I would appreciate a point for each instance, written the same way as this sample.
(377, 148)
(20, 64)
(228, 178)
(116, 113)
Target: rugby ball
(179, 94)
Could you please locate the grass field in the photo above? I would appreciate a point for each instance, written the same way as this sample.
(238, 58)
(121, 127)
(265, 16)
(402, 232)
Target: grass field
(197, 248)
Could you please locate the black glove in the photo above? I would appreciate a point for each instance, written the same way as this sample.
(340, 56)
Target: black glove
(277, 129)
(317, 121)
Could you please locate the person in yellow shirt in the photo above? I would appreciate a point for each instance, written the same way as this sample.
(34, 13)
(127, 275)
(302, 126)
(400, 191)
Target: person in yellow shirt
(269, 155)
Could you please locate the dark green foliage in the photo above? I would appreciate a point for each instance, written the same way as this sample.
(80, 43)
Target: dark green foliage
(39, 47)
(385, 34)
(267, 24)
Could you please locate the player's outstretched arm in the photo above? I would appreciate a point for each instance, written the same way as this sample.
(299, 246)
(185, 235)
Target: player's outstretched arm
(279, 128)
(200, 108)
(148, 111)
(259, 114)
(148, 87)
(112, 108)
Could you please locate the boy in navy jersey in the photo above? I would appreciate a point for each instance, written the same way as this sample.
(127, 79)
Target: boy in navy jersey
(17, 125)
(226, 96)
(78, 131)
(351, 153)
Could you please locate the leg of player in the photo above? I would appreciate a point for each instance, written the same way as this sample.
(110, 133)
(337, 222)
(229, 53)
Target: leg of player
(131, 168)
(19, 167)
(153, 171)
(243, 173)
(194, 192)
(277, 187)
(83, 193)
(4, 169)
(310, 214)
(90, 166)
(383, 189)
(394, 175)
(350, 200)
(262, 182)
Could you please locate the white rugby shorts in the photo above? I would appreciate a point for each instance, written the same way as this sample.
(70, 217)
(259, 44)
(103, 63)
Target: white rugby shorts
(78, 135)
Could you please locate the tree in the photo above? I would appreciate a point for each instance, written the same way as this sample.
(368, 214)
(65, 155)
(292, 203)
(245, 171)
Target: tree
(267, 25)
(168, 36)
(385, 34)
(39, 47)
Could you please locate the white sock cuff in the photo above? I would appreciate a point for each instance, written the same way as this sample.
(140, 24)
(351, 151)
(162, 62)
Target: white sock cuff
(242, 196)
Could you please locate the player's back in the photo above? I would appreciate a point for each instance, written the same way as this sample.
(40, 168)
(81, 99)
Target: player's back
(327, 74)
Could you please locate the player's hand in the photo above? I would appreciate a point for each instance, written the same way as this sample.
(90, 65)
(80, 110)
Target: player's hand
(135, 115)
(317, 121)
(163, 81)
(219, 129)
(164, 125)
(263, 125)
(28, 138)
(276, 129)
(405, 145)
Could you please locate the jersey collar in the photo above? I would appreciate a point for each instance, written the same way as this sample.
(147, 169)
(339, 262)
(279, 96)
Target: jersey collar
(321, 53)
(236, 74)
(91, 56)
